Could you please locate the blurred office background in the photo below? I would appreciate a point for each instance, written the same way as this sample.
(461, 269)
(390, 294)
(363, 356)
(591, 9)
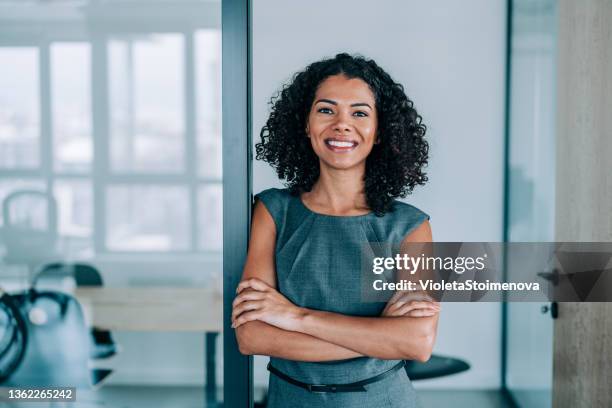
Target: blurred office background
(112, 109)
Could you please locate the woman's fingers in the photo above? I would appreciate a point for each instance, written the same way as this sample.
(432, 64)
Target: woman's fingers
(396, 296)
(414, 312)
(253, 283)
(415, 305)
(422, 313)
(394, 306)
(245, 307)
(403, 305)
(246, 317)
(390, 307)
(248, 295)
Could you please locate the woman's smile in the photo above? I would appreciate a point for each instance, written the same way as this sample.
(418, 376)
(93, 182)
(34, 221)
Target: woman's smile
(338, 145)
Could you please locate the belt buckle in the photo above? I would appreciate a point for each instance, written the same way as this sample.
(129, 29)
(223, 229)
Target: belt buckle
(321, 388)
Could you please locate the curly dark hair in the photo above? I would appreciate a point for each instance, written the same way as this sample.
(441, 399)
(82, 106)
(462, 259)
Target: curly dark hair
(393, 167)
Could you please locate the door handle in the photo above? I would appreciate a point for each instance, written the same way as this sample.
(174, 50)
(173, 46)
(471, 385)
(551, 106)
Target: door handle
(552, 276)
(553, 308)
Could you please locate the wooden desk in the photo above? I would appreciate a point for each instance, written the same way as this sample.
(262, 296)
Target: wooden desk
(159, 309)
(152, 308)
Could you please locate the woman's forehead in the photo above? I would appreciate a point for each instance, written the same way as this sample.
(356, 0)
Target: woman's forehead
(342, 88)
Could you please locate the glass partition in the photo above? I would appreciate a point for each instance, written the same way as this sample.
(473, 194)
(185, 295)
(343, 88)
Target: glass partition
(531, 190)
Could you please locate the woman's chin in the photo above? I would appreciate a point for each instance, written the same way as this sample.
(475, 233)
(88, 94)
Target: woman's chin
(345, 163)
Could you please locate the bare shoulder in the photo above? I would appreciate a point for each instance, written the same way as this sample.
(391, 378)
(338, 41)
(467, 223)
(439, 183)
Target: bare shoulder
(422, 233)
(262, 242)
(261, 218)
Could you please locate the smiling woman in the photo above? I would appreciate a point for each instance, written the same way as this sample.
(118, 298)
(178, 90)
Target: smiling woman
(350, 98)
(348, 142)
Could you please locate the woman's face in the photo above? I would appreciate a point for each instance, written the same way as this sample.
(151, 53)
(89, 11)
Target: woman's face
(342, 122)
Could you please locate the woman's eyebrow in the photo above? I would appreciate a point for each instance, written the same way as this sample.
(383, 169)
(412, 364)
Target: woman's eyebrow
(336, 103)
(327, 101)
(361, 104)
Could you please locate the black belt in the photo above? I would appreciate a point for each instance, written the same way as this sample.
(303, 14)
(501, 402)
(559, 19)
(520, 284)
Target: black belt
(351, 387)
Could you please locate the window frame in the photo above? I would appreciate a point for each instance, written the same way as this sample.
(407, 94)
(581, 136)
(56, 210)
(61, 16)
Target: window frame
(183, 22)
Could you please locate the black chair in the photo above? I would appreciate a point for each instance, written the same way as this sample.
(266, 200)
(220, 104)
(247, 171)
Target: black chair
(436, 366)
(103, 345)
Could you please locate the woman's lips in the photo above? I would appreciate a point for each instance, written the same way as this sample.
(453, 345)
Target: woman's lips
(340, 146)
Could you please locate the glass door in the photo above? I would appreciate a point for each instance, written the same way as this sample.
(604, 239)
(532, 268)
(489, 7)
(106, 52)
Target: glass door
(531, 191)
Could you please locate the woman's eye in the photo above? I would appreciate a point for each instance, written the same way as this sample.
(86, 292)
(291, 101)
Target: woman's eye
(360, 114)
(324, 110)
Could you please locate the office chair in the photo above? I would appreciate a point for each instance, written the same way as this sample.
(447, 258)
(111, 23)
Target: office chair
(103, 345)
(30, 228)
(436, 366)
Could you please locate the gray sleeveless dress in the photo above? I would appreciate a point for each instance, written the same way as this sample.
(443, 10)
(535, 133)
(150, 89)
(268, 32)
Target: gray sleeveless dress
(318, 267)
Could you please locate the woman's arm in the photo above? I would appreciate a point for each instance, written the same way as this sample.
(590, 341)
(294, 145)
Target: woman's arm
(403, 337)
(259, 338)
(407, 338)
(256, 337)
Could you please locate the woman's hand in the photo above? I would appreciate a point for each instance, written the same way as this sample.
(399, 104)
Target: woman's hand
(257, 300)
(411, 304)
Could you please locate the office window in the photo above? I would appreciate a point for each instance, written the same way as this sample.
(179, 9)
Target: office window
(71, 102)
(210, 204)
(146, 104)
(156, 170)
(19, 108)
(208, 79)
(75, 214)
(147, 218)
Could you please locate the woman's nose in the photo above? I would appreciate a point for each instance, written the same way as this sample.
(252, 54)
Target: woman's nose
(342, 123)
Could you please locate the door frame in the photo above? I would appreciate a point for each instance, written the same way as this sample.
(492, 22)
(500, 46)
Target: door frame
(237, 187)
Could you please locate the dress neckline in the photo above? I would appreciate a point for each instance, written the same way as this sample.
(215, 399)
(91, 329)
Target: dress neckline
(331, 216)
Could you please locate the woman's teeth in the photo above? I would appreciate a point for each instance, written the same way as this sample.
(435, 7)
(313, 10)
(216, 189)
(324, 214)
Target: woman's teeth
(340, 144)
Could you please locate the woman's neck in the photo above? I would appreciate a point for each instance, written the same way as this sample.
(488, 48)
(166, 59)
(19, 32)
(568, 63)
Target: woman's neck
(338, 192)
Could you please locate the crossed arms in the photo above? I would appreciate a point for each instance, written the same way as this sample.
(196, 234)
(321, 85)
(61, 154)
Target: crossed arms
(267, 323)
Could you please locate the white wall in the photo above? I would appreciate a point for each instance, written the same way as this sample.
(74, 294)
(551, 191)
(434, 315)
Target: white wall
(450, 56)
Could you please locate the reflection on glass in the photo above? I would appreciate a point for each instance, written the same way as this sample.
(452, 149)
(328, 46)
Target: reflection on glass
(19, 107)
(208, 78)
(71, 103)
(532, 121)
(146, 103)
(532, 191)
(147, 218)
(210, 204)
